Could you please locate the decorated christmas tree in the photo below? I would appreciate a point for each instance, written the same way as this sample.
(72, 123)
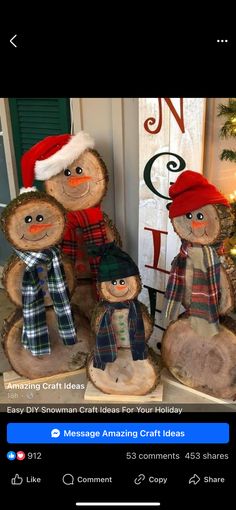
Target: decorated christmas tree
(228, 129)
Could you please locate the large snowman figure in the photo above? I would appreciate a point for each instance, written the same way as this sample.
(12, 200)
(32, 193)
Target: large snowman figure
(199, 346)
(75, 174)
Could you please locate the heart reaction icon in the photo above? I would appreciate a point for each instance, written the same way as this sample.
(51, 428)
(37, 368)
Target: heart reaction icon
(20, 455)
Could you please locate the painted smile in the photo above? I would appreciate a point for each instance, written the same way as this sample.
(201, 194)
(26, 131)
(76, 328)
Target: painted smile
(191, 232)
(120, 293)
(74, 197)
(34, 240)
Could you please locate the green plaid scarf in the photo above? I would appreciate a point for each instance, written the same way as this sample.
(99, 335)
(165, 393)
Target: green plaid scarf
(106, 347)
(205, 286)
(35, 335)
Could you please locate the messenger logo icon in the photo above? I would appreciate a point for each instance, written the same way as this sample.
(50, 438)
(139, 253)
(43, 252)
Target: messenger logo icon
(55, 433)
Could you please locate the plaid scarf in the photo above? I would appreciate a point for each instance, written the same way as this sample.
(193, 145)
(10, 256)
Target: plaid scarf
(205, 286)
(93, 231)
(106, 347)
(35, 335)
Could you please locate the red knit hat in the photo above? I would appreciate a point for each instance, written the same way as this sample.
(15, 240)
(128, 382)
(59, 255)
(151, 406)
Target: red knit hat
(52, 155)
(192, 191)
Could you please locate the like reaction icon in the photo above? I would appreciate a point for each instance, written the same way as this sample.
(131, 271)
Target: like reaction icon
(11, 455)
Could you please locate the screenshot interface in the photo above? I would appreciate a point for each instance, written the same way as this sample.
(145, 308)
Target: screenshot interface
(117, 297)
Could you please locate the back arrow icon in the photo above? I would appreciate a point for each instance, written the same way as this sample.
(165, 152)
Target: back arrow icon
(11, 41)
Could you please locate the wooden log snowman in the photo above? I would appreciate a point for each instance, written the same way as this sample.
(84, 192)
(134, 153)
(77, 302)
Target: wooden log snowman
(199, 345)
(121, 363)
(75, 174)
(43, 338)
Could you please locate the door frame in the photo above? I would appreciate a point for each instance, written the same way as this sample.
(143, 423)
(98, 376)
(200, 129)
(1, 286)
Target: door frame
(9, 153)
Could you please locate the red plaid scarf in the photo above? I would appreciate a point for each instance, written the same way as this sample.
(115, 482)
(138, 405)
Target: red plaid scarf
(205, 286)
(92, 224)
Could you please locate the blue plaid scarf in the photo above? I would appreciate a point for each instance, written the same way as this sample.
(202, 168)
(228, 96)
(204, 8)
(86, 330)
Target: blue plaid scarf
(106, 347)
(35, 335)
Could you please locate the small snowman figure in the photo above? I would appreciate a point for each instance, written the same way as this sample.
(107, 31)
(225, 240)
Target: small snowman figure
(121, 363)
(199, 346)
(34, 223)
(75, 174)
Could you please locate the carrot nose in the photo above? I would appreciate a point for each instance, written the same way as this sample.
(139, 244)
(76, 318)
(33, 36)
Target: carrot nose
(76, 181)
(121, 287)
(198, 224)
(33, 229)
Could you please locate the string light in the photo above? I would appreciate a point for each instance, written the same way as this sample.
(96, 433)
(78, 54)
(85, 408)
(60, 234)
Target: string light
(232, 196)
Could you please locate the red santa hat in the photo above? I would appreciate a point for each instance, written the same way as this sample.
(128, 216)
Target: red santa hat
(52, 155)
(192, 191)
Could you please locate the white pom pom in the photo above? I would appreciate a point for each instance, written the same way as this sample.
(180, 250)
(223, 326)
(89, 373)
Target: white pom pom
(27, 190)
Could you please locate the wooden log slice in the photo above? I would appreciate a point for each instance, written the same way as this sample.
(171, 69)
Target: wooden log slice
(80, 191)
(84, 297)
(230, 269)
(125, 376)
(111, 231)
(13, 275)
(206, 364)
(62, 358)
(219, 225)
(33, 221)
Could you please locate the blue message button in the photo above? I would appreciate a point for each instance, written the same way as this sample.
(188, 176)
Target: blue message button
(117, 433)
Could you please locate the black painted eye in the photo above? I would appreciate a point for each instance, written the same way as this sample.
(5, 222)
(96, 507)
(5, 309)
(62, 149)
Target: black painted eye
(39, 217)
(114, 282)
(28, 219)
(79, 170)
(67, 172)
(122, 282)
(189, 215)
(200, 216)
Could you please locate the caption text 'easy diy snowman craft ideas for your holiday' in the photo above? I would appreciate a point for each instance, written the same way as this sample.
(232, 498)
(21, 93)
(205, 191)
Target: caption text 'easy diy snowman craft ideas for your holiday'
(75, 174)
(41, 339)
(199, 346)
(121, 363)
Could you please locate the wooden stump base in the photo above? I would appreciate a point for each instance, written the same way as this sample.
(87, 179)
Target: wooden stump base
(205, 363)
(63, 358)
(95, 395)
(170, 382)
(11, 377)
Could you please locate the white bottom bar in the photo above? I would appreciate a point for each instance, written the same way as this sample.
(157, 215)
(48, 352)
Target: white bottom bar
(118, 504)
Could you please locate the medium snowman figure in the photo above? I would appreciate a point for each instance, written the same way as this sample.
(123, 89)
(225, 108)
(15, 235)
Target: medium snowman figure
(43, 341)
(121, 362)
(199, 346)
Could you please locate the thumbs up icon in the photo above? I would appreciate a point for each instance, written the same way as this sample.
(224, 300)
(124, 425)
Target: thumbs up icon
(17, 480)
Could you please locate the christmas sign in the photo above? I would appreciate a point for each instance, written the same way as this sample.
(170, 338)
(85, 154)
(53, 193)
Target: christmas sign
(171, 139)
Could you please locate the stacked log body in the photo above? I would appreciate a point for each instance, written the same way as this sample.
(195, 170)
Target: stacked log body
(199, 345)
(34, 223)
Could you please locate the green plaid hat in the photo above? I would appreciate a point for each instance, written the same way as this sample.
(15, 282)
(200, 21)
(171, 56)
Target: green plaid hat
(115, 263)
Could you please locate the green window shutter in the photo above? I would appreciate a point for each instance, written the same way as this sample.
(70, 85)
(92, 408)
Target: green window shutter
(33, 119)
